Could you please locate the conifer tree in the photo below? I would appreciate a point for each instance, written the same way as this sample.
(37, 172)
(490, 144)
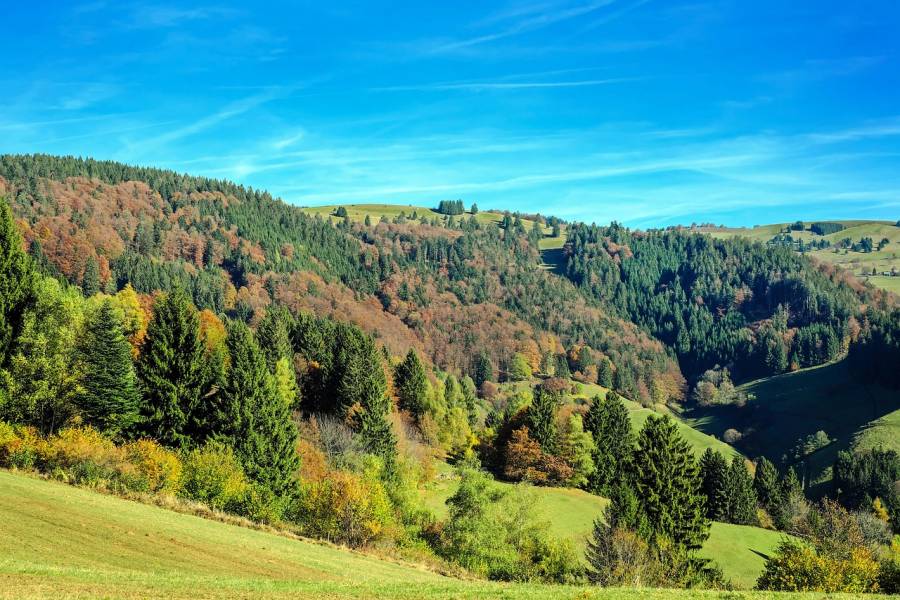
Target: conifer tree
(541, 420)
(766, 485)
(483, 369)
(715, 473)
(741, 495)
(174, 374)
(110, 400)
(605, 373)
(90, 282)
(253, 418)
(16, 282)
(274, 333)
(411, 383)
(667, 483)
(608, 422)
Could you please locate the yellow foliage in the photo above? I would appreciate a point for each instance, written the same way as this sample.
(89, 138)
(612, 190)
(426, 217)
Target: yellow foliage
(158, 467)
(798, 568)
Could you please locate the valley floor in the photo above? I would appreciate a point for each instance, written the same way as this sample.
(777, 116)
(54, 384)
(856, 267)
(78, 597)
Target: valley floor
(58, 541)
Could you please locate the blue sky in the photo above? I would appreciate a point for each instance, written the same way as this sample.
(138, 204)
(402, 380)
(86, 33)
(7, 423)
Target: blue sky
(646, 112)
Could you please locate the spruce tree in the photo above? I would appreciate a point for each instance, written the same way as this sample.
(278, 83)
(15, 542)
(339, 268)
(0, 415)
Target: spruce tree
(110, 400)
(253, 418)
(274, 334)
(741, 495)
(608, 422)
(411, 384)
(174, 374)
(541, 420)
(766, 485)
(16, 283)
(482, 368)
(605, 373)
(668, 485)
(715, 473)
(90, 281)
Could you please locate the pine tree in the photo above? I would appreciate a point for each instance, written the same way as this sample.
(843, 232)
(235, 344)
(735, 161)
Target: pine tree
(715, 473)
(766, 485)
(174, 374)
(605, 373)
(541, 420)
(286, 384)
(16, 283)
(90, 281)
(482, 369)
(741, 495)
(411, 384)
(253, 418)
(667, 483)
(274, 333)
(608, 422)
(110, 400)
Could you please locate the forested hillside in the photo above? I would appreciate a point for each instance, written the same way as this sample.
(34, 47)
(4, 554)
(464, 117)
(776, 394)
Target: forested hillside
(204, 346)
(453, 287)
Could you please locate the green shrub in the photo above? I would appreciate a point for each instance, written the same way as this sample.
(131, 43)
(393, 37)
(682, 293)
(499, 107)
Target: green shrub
(213, 475)
(258, 503)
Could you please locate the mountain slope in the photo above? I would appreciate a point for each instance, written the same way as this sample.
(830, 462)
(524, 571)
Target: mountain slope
(237, 249)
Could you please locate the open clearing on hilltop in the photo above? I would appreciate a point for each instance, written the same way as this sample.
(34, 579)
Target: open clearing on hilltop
(788, 407)
(858, 263)
(60, 541)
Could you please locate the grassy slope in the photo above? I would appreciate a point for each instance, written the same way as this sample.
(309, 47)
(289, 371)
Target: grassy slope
(858, 263)
(698, 439)
(791, 406)
(739, 550)
(59, 541)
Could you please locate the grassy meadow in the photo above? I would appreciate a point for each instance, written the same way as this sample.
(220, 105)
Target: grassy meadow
(791, 406)
(739, 550)
(58, 541)
(859, 263)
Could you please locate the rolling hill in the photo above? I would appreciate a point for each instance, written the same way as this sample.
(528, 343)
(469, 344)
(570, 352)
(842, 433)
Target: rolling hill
(60, 541)
(858, 263)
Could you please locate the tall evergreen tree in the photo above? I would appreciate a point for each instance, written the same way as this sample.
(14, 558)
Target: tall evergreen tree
(16, 282)
(541, 419)
(766, 485)
(667, 483)
(605, 373)
(411, 383)
(110, 400)
(174, 376)
(253, 418)
(608, 422)
(90, 281)
(482, 368)
(715, 473)
(274, 333)
(741, 495)
(361, 389)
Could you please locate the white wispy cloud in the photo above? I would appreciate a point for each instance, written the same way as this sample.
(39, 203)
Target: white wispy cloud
(476, 86)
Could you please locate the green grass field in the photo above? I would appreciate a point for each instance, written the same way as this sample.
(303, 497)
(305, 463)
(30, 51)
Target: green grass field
(791, 406)
(58, 541)
(739, 550)
(860, 264)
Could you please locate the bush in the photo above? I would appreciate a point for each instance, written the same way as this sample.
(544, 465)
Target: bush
(799, 568)
(213, 475)
(344, 508)
(158, 470)
(83, 456)
(20, 446)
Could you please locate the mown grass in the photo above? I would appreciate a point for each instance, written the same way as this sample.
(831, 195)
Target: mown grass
(58, 541)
